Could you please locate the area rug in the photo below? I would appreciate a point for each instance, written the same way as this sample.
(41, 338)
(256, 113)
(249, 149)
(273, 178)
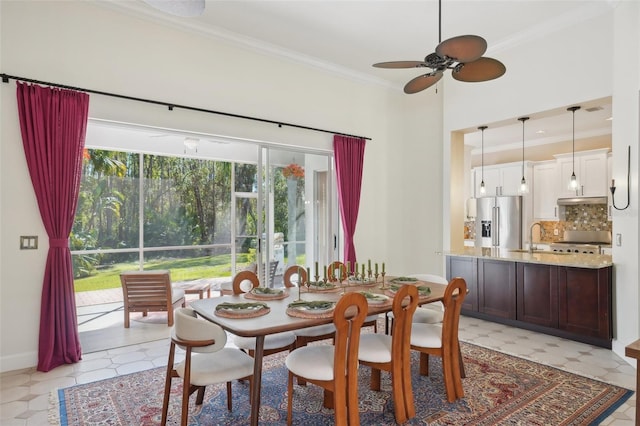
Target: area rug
(499, 390)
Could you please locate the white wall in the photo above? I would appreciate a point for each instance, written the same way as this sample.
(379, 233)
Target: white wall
(564, 69)
(93, 47)
(625, 133)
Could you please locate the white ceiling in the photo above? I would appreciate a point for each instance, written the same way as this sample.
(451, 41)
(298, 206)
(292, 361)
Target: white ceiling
(347, 37)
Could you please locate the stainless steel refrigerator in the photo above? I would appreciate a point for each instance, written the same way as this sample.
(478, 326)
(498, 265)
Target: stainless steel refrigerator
(499, 222)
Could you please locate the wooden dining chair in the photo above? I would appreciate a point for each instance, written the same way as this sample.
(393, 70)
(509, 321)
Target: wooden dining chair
(149, 291)
(244, 282)
(392, 354)
(371, 320)
(442, 341)
(207, 361)
(431, 313)
(336, 266)
(333, 367)
(310, 334)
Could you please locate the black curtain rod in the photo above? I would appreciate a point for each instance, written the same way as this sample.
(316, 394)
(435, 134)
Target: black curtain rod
(171, 106)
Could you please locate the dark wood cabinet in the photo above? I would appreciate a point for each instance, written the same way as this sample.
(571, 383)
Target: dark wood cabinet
(537, 294)
(497, 288)
(467, 268)
(584, 300)
(566, 301)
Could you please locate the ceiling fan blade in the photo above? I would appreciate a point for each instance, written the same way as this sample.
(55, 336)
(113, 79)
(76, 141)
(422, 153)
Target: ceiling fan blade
(400, 64)
(466, 48)
(422, 82)
(483, 69)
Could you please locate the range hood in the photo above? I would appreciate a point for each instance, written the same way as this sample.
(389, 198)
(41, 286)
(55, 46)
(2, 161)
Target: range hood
(574, 201)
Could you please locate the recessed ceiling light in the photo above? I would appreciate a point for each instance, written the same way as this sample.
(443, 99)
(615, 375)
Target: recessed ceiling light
(541, 132)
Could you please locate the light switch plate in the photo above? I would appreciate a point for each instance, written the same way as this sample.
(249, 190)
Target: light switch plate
(619, 240)
(29, 242)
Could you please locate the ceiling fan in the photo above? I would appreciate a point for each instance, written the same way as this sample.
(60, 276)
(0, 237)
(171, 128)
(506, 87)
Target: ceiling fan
(461, 54)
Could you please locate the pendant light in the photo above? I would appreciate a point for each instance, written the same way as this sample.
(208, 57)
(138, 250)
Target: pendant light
(523, 183)
(573, 182)
(482, 188)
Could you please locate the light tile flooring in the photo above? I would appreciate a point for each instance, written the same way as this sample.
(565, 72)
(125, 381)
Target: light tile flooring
(24, 394)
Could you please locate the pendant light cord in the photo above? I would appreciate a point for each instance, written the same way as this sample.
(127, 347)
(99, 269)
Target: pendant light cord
(573, 109)
(481, 128)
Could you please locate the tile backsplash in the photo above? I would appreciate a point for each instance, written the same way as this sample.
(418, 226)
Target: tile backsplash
(582, 217)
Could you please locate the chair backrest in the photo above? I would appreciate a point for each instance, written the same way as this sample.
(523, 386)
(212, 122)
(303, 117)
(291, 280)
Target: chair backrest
(242, 277)
(268, 273)
(147, 287)
(432, 278)
(331, 271)
(273, 267)
(348, 317)
(403, 311)
(295, 270)
(201, 335)
(454, 296)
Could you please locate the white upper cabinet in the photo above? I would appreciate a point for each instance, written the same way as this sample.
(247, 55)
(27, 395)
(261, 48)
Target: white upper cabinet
(591, 173)
(501, 179)
(545, 196)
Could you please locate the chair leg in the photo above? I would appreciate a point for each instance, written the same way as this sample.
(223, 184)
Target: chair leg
(186, 387)
(200, 396)
(463, 374)
(424, 364)
(407, 389)
(126, 316)
(167, 384)
(229, 395)
(289, 398)
(447, 373)
(375, 379)
(396, 391)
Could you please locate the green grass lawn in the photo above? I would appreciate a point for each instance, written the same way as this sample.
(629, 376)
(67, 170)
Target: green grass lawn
(181, 270)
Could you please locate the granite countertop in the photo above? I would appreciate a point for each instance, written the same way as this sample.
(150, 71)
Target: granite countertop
(590, 261)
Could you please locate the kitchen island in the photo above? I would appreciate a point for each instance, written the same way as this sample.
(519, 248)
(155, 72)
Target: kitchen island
(566, 295)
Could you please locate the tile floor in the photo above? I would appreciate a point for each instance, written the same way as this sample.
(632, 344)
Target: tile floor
(24, 394)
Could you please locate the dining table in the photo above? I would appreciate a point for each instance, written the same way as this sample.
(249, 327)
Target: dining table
(278, 319)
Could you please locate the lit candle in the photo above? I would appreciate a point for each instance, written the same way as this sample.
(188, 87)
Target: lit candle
(383, 267)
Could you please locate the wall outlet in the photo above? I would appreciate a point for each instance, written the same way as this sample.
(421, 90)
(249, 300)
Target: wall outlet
(556, 232)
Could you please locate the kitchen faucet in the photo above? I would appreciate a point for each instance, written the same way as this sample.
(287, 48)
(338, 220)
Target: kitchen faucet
(531, 234)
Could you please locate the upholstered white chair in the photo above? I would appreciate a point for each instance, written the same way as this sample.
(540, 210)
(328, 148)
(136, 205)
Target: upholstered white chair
(391, 353)
(246, 281)
(206, 362)
(442, 340)
(333, 367)
(431, 313)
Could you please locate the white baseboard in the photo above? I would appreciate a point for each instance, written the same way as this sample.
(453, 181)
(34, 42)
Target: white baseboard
(18, 361)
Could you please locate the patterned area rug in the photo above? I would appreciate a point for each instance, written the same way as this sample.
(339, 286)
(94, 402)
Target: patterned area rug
(499, 390)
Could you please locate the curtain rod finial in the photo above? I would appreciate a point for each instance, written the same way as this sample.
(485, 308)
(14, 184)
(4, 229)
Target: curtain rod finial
(5, 78)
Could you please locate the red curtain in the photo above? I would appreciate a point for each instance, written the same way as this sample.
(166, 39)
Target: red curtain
(53, 123)
(349, 157)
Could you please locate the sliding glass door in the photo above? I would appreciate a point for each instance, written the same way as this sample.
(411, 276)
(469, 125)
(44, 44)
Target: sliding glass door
(285, 211)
